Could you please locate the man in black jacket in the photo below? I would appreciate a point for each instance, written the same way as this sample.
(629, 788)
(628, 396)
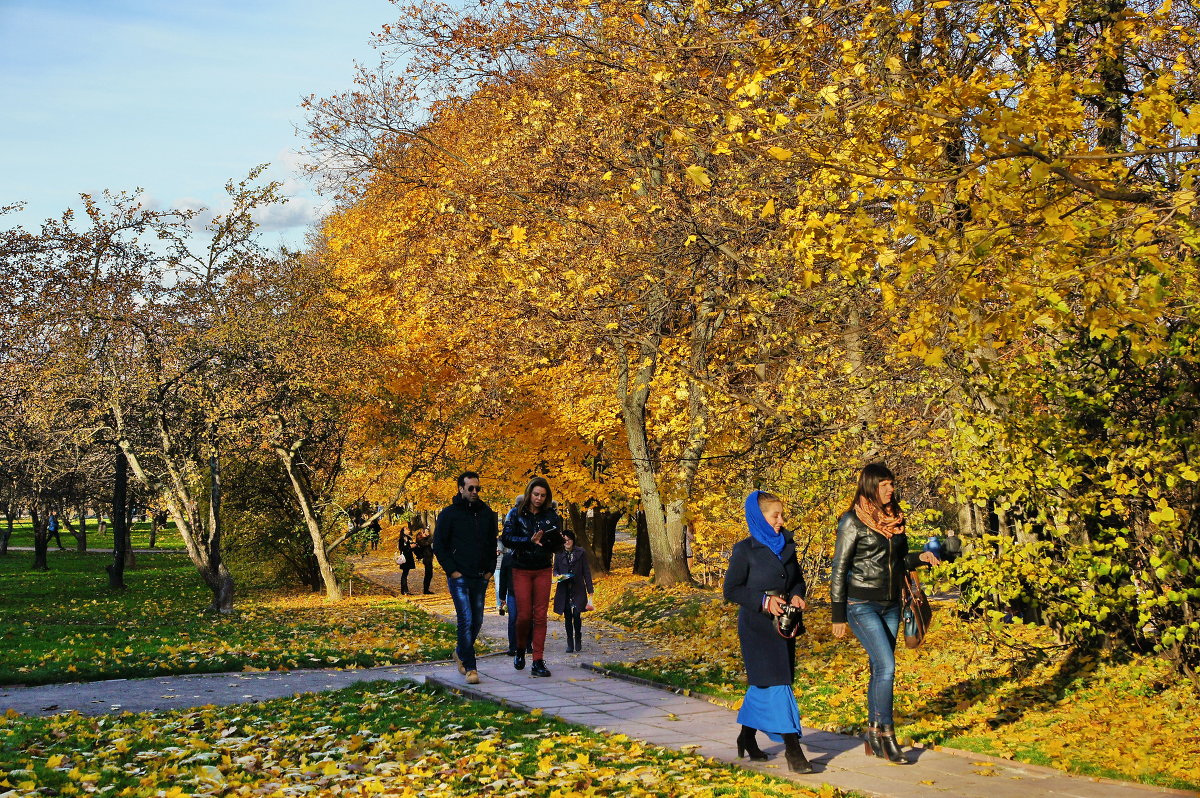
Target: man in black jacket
(464, 542)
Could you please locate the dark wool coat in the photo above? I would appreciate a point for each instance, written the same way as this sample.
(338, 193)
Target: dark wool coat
(464, 538)
(753, 570)
(579, 586)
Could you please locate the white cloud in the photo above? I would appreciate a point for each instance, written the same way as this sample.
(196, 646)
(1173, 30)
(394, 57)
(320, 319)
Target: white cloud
(298, 212)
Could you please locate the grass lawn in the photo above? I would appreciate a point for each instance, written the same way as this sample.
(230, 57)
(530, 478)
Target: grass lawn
(65, 625)
(381, 738)
(139, 536)
(1005, 692)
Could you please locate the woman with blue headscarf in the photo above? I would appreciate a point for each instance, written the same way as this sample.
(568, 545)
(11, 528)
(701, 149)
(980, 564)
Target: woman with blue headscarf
(764, 579)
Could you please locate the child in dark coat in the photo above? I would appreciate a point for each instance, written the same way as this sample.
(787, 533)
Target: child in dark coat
(571, 597)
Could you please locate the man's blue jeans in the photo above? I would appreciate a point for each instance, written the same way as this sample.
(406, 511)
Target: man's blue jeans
(511, 601)
(874, 623)
(468, 593)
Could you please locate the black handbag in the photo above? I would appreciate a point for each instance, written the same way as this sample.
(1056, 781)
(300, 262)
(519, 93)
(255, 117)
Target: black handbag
(917, 612)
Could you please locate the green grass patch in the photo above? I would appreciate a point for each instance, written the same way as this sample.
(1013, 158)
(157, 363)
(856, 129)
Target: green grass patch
(66, 625)
(383, 737)
(139, 536)
(1006, 692)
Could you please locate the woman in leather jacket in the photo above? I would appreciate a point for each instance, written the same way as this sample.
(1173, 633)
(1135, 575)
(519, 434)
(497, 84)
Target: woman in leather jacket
(870, 561)
(533, 532)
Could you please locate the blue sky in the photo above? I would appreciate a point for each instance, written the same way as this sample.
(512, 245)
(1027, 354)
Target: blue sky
(173, 98)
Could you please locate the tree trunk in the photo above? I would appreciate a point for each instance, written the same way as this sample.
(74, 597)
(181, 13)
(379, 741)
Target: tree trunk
(41, 539)
(1111, 71)
(604, 530)
(8, 530)
(860, 383)
(966, 520)
(219, 579)
(153, 529)
(670, 567)
(80, 534)
(578, 518)
(83, 530)
(643, 560)
(304, 499)
(116, 569)
(202, 540)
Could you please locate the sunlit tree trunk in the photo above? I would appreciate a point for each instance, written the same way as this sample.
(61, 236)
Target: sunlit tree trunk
(666, 539)
(288, 456)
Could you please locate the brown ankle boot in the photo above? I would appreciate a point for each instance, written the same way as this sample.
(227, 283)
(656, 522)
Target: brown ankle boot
(872, 745)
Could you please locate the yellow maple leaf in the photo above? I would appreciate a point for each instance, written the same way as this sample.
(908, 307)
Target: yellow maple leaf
(699, 176)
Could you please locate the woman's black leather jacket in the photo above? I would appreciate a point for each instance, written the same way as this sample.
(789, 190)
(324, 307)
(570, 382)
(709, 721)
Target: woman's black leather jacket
(867, 565)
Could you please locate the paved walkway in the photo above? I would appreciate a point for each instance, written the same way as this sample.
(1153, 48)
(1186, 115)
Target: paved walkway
(579, 694)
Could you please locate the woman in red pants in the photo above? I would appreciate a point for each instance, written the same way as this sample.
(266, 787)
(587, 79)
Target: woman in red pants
(533, 532)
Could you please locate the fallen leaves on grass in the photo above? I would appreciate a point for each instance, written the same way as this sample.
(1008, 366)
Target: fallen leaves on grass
(378, 739)
(79, 633)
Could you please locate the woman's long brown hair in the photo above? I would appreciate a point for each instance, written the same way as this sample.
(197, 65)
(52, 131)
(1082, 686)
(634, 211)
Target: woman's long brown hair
(868, 487)
(536, 482)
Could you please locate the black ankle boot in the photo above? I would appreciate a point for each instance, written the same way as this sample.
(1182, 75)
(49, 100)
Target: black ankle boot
(748, 744)
(872, 746)
(797, 762)
(887, 740)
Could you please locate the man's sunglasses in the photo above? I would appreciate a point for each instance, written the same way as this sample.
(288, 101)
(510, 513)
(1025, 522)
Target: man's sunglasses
(472, 488)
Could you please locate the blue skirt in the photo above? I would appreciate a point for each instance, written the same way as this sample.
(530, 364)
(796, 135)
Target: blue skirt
(772, 710)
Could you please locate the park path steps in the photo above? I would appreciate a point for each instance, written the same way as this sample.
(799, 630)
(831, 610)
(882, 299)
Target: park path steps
(578, 694)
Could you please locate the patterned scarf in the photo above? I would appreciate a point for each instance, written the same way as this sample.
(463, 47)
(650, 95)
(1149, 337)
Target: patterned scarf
(879, 520)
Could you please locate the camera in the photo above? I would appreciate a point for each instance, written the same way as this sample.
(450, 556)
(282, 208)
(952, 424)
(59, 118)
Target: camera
(791, 623)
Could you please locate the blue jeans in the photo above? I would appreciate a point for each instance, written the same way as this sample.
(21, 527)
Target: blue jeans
(468, 593)
(511, 601)
(874, 623)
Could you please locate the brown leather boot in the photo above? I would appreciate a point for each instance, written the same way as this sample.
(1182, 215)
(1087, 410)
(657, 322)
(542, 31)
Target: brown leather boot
(871, 745)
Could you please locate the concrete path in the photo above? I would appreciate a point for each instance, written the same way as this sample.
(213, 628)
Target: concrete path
(577, 693)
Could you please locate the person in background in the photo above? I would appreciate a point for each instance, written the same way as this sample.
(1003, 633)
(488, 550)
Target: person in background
(870, 561)
(572, 597)
(764, 579)
(533, 531)
(52, 530)
(464, 542)
(422, 548)
(506, 599)
(406, 558)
